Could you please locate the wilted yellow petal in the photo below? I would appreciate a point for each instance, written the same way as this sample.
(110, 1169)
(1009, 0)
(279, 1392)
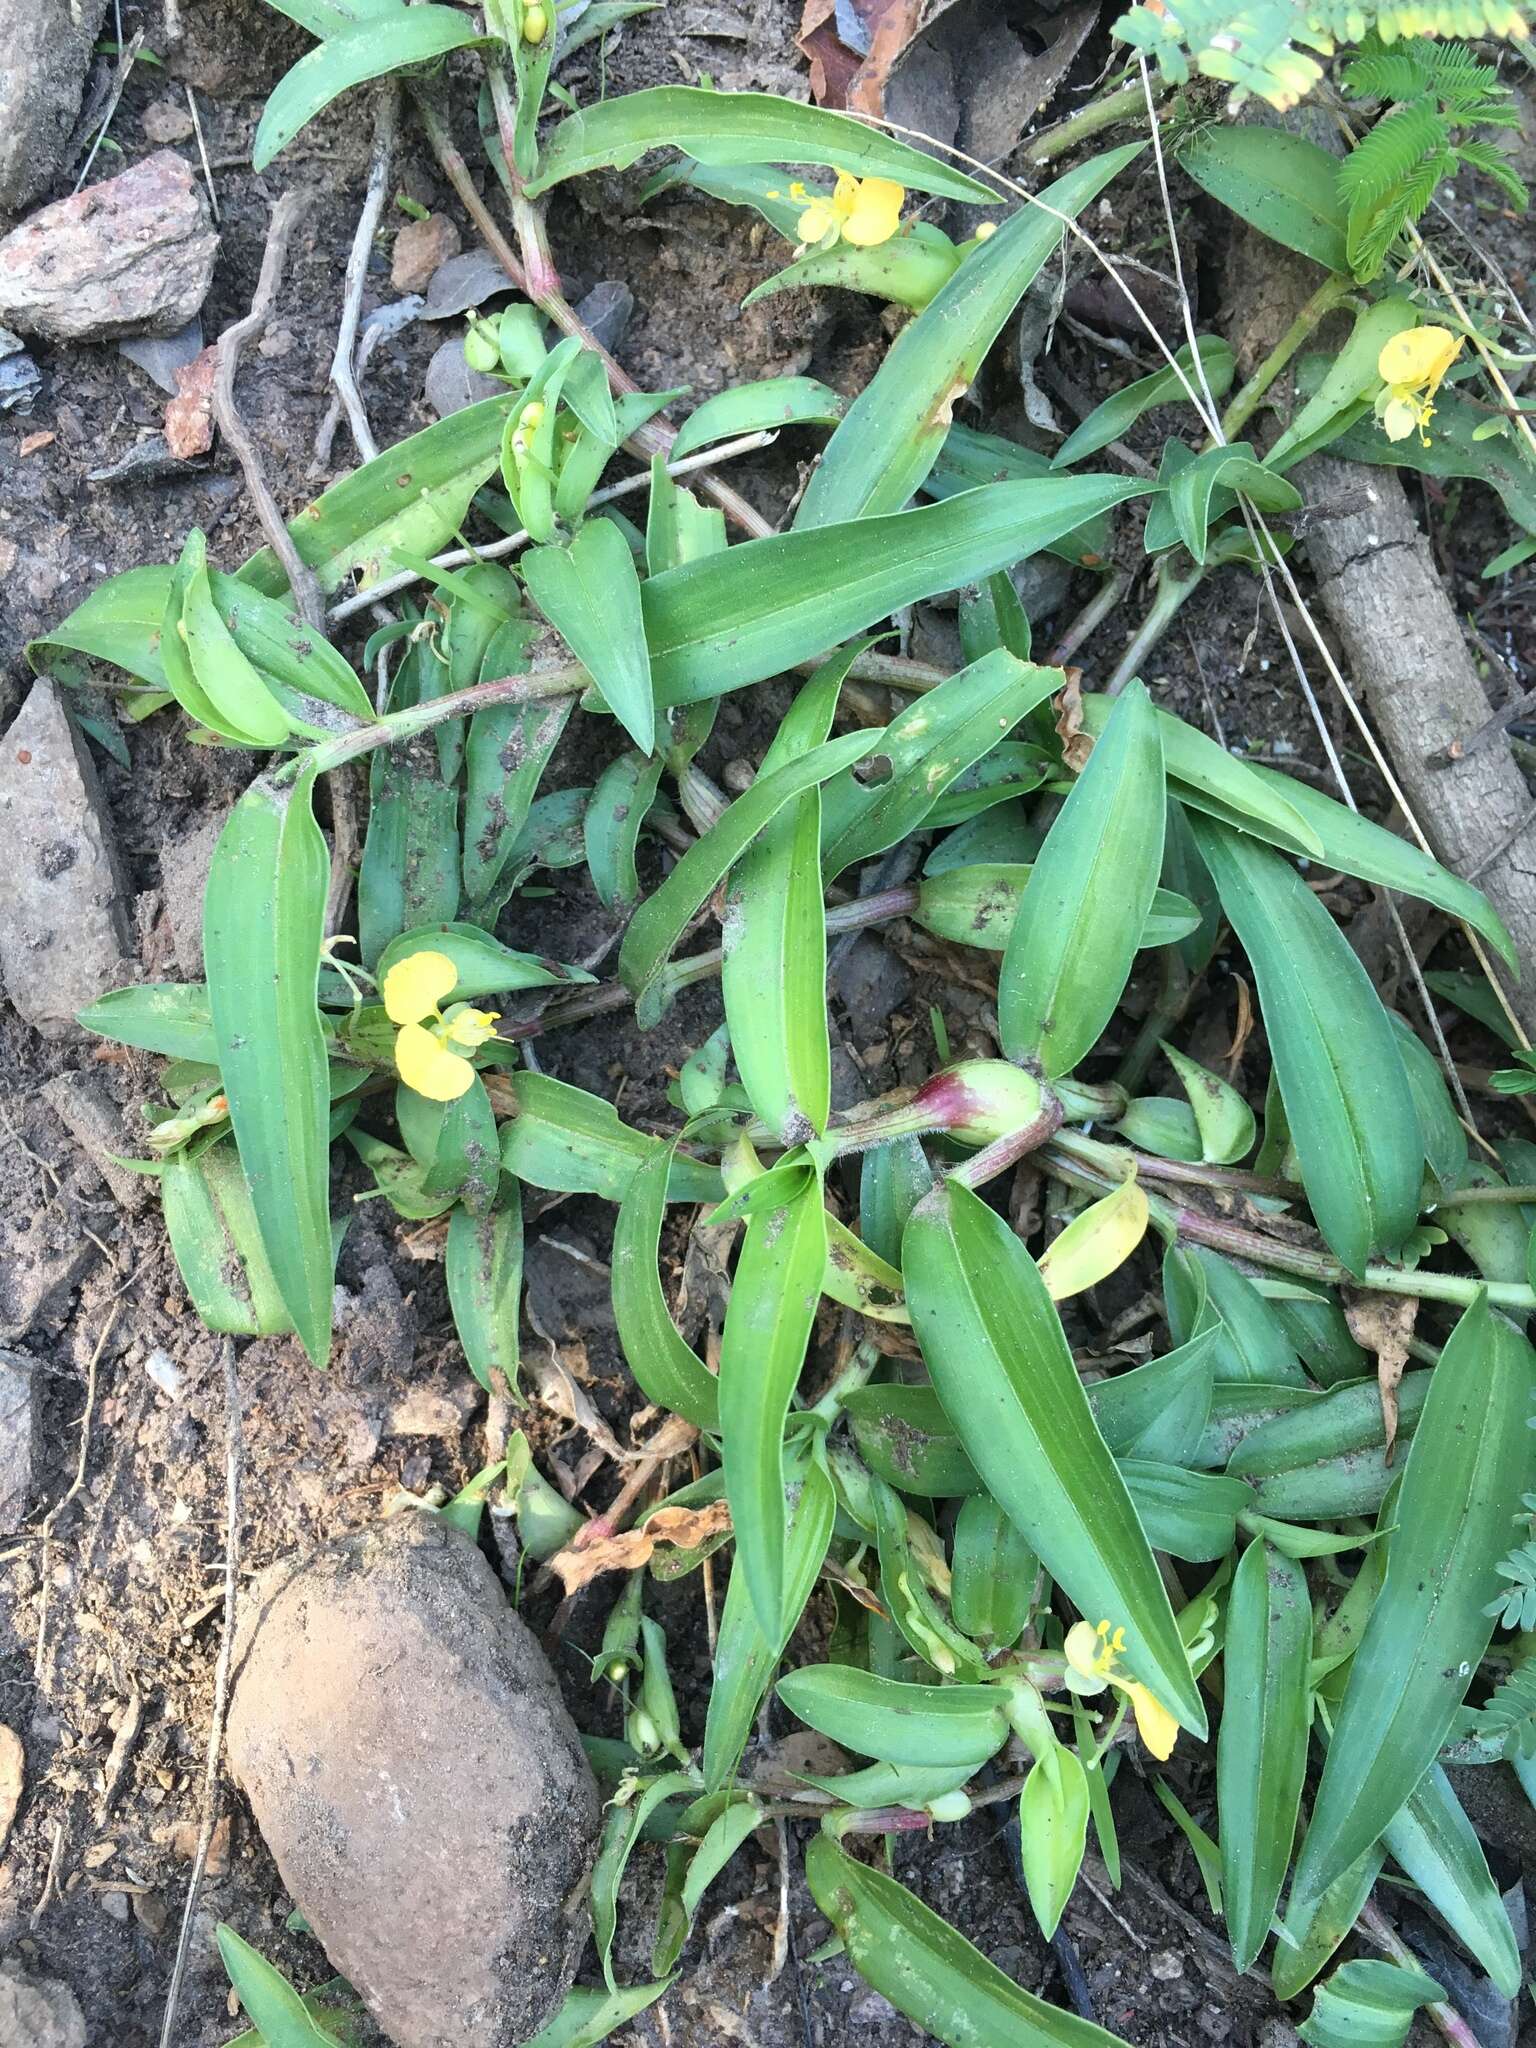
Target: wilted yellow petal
(1419, 355)
(1095, 1243)
(1156, 1726)
(817, 222)
(1084, 1653)
(1399, 419)
(427, 1065)
(875, 214)
(415, 986)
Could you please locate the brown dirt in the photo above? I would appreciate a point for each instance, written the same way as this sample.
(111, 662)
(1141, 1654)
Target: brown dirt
(131, 1579)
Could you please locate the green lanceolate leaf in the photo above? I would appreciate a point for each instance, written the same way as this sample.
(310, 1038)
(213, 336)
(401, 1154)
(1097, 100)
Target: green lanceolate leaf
(995, 1573)
(169, 1017)
(263, 921)
(667, 1371)
(1053, 1832)
(1159, 1411)
(976, 904)
(573, 1143)
(1284, 185)
(484, 1268)
(745, 1658)
(485, 967)
(773, 979)
(906, 1438)
(417, 35)
(1205, 1292)
(1081, 919)
(895, 428)
(1200, 488)
(1341, 1075)
(1261, 1756)
(623, 794)
(590, 593)
(622, 1827)
(1317, 1932)
(282, 2017)
(209, 676)
(969, 459)
(217, 1243)
(927, 747)
(505, 754)
(588, 2016)
(1326, 1457)
(413, 497)
(1003, 1370)
(1436, 1844)
(762, 1348)
(1367, 2004)
(679, 528)
(662, 919)
(1119, 413)
(747, 408)
(897, 1722)
(761, 607)
(409, 875)
(739, 128)
(1468, 1465)
(927, 1970)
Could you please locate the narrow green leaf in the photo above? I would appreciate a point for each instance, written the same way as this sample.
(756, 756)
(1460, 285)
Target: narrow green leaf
(208, 675)
(169, 1017)
(417, 35)
(263, 922)
(281, 2016)
(1120, 412)
(590, 593)
(739, 128)
(1435, 1843)
(927, 1970)
(1318, 1931)
(894, 1721)
(747, 408)
(895, 428)
(1002, 1367)
(906, 1438)
(485, 966)
(667, 1371)
(483, 1265)
(762, 1349)
(588, 2017)
(764, 605)
(1284, 185)
(1341, 1075)
(1466, 1469)
(621, 798)
(994, 1575)
(1367, 2004)
(679, 528)
(976, 904)
(1205, 1292)
(745, 1658)
(969, 459)
(1159, 1410)
(663, 918)
(573, 1143)
(505, 753)
(622, 1827)
(217, 1243)
(1261, 1754)
(1080, 922)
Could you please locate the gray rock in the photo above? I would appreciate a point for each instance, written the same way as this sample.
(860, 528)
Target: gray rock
(184, 865)
(94, 1121)
(133, 255)
(607, 310)
(63, 932)
(403, 1745)
(18, 1441)
(465, 281)
(451, 384)
(44, 57)
(37, 2012)
(20, 378)
(161, 356)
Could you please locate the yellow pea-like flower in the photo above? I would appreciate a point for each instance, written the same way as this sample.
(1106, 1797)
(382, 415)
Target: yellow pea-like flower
(426, 1044)
(1412, 366)
(861, 211)
(1093, 1655)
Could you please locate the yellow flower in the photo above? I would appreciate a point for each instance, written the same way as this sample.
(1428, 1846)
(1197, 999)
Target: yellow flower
(1412, 366)
(1092, 1655)
(426, 1053)
(863, 211)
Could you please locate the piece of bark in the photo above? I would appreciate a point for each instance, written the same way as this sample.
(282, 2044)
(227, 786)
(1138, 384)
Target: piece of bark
(1379, 588)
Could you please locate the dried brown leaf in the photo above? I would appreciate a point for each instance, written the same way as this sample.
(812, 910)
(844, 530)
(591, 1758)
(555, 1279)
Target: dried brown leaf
(683, 1528)
(1383, 1323)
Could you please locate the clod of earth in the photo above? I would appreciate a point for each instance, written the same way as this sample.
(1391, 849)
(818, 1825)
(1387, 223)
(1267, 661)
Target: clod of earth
(403, 1745)
(63, 932)
(132, 255)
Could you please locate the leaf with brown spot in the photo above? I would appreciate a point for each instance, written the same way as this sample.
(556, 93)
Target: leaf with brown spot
(1076, 741)
(1383, 1323)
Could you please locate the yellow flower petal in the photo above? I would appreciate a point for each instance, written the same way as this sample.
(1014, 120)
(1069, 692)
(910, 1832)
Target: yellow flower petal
(875, 214)
(1399, 419)
(470, 1027)
(415, 986)
(817, 222)
(1156, 1726)
(1084, 1652)
(1420, 355)
(427, 1065)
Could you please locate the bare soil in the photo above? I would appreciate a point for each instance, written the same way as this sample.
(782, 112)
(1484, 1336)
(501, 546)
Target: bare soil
(114, 1621)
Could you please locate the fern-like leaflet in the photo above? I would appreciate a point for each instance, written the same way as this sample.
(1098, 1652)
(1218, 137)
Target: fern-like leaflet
(1435, 91)
(1507, 1722)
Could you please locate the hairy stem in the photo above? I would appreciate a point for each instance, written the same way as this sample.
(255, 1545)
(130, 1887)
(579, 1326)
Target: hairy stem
(1330, 294)
(1172, 590)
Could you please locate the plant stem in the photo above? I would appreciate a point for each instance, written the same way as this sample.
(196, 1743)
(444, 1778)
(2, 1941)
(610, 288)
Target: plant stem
(1471, 1195)
(1172, 590)
(1172, 1001)
(1090, 618)
(1005, 1152)
(1457, 1288)
(1126, 103)
(566, 681)
(655, 438)
(1378, 1930)
(1330, 294)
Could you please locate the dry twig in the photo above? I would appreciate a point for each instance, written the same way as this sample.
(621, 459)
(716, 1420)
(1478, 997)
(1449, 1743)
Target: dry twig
(343, 374)
(45, 1576)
